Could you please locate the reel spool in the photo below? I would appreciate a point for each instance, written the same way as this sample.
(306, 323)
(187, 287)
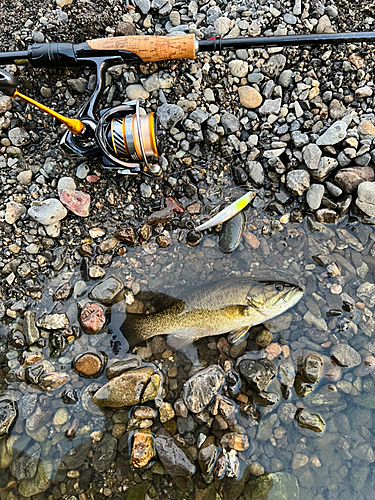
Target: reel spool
(123, 134)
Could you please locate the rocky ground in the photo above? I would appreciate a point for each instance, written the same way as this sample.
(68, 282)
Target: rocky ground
(295, 124)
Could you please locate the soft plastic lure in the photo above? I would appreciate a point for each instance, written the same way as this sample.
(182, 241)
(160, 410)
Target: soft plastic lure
(228, 212)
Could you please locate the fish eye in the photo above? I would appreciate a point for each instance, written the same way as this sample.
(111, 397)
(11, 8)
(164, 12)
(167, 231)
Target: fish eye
(279, 287)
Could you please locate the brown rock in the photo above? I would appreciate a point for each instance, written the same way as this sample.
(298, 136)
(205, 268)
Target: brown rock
(92, 318)
(163, 240)
(144, 413)
(88, 364)
(51, 381)
(366, 130)
(145, 232)
(235, 441)
(166, 412)
(160, 217)
(125, 29)
(108, 244)
(143, 448)
(249, 97)
(174, 205)
(103, 260)
(86, 250)
(96, 272)
(63, 292)
(194, 208)
(126, 235)
(251, 239)
(348, 179)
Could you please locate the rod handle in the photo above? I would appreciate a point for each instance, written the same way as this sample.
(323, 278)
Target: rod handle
(149, 48)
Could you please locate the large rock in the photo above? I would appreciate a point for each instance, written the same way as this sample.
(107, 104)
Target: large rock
(230, 123)
(176, 462)
(258, 373)
(39, 483)
(77, 202)
(348, 179)
(107, 291)
(8, 416)
(47, 212)
(366, 198)
(201, 389)
(128, 389)
(345, 355)
(335, 134)
(297, 181)
(105, 453)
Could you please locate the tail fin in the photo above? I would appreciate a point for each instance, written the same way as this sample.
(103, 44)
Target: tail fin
(135, 328)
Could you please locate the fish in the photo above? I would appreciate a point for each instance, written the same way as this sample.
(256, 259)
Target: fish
(228, 212)
(231, 305)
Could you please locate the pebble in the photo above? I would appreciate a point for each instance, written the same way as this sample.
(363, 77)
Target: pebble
(107, 291)
(66, 183)
(143, 450)
(18, 136)
(314, 196)
(76, 201)
(88, 365)
(8, 416)
(47, 212)
(366, 198)
(169, 115)
(298, 181)
(310, 421)
(53, 321)
(249, 97)
(345, 355)
(174, 459)
(270, 107)
(14, 211)
(92, 318)
(238, 68)
(335, 134)
(203, 387)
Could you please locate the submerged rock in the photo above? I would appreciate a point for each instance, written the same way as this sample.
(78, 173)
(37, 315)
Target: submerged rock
(107, 291)
(143, 449)
(257, 373)
(63, 292)
(130, 362)
(345, 355)
(310, 421)
(89, 364)
(174, 459)
(231, 233)
(208, 455)
(127, 389)
(39, 483)
(8, 416)
(105, 453)
(92, 317)
(51, 381)
(312, 368)
(31, 332)
(201, 389)
(53, 321)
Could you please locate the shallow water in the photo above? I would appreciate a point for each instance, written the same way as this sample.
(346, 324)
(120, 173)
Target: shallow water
(337, 463)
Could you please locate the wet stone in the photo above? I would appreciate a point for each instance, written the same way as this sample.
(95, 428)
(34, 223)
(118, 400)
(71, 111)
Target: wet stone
(312, 368)
(51, 381)
(310, 421)
(287, 374)
(53, 321)
(144, 413)
(143, 448)
(39, 483)
(160, 217)
(125, 390)
(105, 453)
(119, 367)
(235, 441)
(31, 332)
(208, 455)
(257, 373)
(231, 233)
(345, 355)
(302, 387)
(8, 416)
(96, 272)
(92, 318)
(108, 245)
(63, 292)
(107, 291)
(174, 459)
(166, 412)
(126, 235)
(26, 464)
(88, 364)
(203, 387)
(193, 238)
(86, 250)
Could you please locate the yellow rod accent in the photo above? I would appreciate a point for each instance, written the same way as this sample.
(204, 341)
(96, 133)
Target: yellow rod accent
(73, 124)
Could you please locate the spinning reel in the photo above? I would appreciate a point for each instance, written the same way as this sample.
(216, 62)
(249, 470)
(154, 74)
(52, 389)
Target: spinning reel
(122, 136)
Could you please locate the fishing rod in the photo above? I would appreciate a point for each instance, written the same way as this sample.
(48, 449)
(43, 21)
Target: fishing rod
(123, 137)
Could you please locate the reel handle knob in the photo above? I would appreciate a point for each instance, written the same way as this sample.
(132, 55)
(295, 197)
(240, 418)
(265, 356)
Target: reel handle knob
(8, 83)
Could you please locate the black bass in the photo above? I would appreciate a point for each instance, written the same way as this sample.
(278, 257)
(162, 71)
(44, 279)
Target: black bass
(232, 305)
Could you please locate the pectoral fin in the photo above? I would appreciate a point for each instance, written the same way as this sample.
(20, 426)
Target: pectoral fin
(179, 340)
(238, 335)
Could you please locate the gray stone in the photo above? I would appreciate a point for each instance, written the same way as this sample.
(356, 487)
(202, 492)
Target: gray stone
(105, 453)
(366, 292)
(290, 18)
(201, 389)
(299, 139)
(231, 233)
(255, 171)
(47, 212)
(135, 91)
(78, 84)
(286, 78)
(270, 107)
(238, 68)
(258, 373)
(66, 183)
(311, 156)
(324, 25)
(335, 134)
(185, 425)
(325, 167)
(345, 355)
(29, 487)
(310, 421)
(287, 374)
(335, 191)
(230, 123)
(8, 416)
(14, 211)
(26, 464)
(18, 136)
(152, 83)
(145, 190)
(222, 25)
(169, 115)
(82, 171)
(212, 14)
(366, 198)
(297, 181)
(198, 116)
(314, 196)
(107, 291)
(274, 65)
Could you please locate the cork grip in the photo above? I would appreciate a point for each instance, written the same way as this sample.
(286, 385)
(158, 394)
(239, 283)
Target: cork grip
(149, 48)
